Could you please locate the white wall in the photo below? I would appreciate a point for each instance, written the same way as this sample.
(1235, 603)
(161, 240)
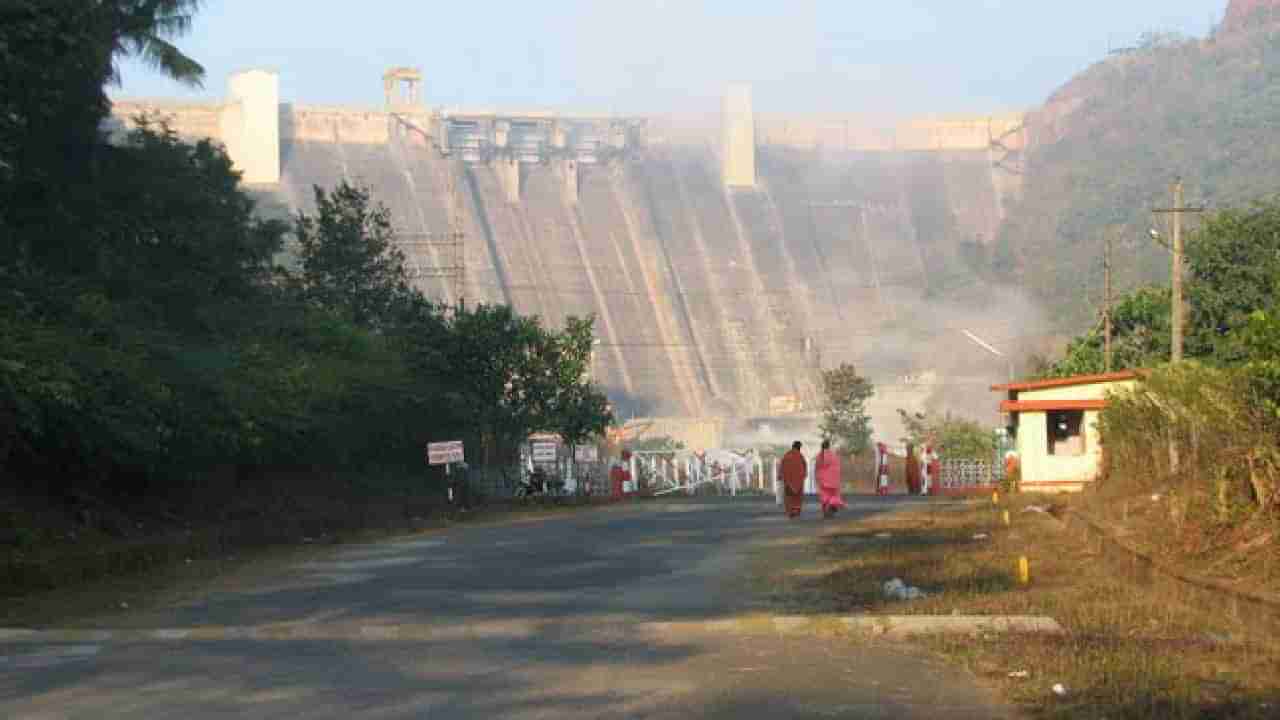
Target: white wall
(251, 125)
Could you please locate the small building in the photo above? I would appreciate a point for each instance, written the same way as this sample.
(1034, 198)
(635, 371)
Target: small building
(1054, 424)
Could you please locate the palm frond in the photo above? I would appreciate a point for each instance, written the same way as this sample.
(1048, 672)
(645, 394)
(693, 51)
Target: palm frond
(167, 58)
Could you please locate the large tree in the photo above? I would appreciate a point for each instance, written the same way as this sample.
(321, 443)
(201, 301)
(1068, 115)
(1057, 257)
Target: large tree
(1233, 261)
(350, 262)
(56, 57)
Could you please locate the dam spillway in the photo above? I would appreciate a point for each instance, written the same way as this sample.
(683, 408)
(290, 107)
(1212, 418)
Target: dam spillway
(711, 298)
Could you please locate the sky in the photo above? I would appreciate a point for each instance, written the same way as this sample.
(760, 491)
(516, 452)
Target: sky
(889, 57)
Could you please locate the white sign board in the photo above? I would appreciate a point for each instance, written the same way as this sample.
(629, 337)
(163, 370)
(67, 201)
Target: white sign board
(586, 454)
(443, 453)
(544, 452)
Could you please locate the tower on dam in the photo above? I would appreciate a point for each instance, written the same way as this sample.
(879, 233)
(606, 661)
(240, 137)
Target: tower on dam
(738, 144)
(251, 125)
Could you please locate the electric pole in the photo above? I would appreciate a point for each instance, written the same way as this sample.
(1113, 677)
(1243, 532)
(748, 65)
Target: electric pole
(1106, 272)
(1177, 310)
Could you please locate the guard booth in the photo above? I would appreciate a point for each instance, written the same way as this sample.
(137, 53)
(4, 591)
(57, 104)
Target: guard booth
(1054, 424)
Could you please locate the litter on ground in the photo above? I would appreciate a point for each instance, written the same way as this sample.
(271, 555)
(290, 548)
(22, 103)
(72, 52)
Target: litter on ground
(895, 589)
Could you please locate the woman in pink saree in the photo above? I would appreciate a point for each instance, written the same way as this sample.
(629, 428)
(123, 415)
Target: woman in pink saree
(828, 465)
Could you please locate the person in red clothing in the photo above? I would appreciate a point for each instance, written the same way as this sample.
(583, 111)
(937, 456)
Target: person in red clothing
(828, 473)
(619, 476)
(794, 472)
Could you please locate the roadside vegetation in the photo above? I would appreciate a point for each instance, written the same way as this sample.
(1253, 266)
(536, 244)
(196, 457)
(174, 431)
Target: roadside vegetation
(161, 374)
(844, 415)
(1133, 647)
(1202, 436)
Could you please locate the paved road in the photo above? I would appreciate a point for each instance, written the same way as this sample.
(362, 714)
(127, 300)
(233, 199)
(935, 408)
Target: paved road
(612, 614)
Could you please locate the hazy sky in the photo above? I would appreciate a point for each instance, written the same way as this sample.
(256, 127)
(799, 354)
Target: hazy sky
(883, 57)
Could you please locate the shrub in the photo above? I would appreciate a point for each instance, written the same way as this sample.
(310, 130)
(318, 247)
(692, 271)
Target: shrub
(1201, 433)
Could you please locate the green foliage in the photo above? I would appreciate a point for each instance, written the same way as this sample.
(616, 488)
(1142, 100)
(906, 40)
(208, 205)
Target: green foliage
(350, 263)
(143, 29)
(1233, 270)
(1259, 341)
(1228, 456)
(145, 335)
(844, 417)
(55, 58)
(1140, 337)
(507, 376)
(955, 438)
(1234, 267)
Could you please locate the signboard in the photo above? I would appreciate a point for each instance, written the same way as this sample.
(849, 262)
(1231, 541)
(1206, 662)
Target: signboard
(544, 452)
(443, 453)
(586, 454)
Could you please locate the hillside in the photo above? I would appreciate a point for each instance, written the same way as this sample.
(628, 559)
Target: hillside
(1105, 147)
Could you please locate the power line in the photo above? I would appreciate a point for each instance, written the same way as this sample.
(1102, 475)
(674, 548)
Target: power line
(733, 292)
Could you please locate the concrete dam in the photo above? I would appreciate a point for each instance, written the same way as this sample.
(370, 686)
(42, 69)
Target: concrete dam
(726, 260)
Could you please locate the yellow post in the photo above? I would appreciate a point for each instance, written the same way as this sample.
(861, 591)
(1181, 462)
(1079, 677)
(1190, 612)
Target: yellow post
(1024, 570)
(995, 497)
(1005, 517)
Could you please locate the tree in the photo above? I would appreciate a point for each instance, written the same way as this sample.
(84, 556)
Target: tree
(578, 409)
(144, 28)
(56, 56)
(844, 418)
(582, 413)
(350, 263)
(1234, 269)
(958, 438)
(1139, 337)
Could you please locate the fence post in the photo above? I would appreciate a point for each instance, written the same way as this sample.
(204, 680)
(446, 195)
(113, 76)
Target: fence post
(777, 486)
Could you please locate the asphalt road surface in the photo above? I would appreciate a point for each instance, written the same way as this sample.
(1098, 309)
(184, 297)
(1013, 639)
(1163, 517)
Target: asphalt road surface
(624, 613)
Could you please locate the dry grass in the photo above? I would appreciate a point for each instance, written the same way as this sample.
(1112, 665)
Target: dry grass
(1129, 651)
(1174, 526)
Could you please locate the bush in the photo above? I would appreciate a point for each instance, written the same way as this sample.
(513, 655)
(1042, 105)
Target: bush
(1202, 434)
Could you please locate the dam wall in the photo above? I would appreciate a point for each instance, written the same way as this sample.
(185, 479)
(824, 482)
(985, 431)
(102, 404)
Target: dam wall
(721, 285)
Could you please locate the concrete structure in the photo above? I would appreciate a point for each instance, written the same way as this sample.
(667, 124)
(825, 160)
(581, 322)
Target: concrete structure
(251, 125)
(708, 302)
(402, 86)
(858, 134)
(1055, 426)
(248, 123)
(738, 150)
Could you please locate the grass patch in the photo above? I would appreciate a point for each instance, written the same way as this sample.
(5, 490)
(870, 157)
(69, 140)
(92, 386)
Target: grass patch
(1129, 651)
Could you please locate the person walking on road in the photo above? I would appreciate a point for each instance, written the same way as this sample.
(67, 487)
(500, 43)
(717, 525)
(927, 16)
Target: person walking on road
(828, 471)
(794, 472)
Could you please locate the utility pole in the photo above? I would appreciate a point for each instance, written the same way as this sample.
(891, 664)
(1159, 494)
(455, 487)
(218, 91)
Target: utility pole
(1177, 309)
(1106, 271)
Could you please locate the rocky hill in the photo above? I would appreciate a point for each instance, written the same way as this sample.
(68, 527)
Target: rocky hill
(1105, 147)
(1242, 14)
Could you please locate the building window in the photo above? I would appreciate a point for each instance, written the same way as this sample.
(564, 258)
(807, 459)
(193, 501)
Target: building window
(1066, 432)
